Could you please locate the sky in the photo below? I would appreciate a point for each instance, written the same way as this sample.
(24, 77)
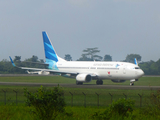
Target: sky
(116, 27)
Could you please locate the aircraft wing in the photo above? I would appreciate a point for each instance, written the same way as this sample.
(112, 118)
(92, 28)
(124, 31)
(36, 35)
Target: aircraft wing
(49, 70)
(56, 71)
(45, 64)
(39, 69)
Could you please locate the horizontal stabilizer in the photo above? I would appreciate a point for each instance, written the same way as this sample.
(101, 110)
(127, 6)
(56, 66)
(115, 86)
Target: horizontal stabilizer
(45, 64)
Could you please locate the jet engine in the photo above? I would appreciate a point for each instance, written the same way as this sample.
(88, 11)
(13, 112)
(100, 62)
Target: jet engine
(67, 75)
(118, 81)
(83, 78)
(43, 73)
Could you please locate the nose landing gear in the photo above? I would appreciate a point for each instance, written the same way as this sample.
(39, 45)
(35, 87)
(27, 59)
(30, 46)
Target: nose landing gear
(131, 83)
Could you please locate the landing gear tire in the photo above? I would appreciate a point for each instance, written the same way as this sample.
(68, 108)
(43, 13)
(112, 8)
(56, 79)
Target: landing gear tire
(132, 83)
(99, 82)
(79, 83)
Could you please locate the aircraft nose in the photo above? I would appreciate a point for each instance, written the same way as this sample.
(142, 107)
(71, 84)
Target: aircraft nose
(141, 73)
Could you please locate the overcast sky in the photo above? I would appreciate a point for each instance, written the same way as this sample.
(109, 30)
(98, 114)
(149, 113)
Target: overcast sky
(116, 27)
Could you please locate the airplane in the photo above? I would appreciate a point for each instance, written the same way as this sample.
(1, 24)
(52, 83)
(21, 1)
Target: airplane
(86, 71)
(39, 72)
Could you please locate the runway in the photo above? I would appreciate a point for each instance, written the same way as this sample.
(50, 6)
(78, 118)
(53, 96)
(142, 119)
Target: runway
(90, 86)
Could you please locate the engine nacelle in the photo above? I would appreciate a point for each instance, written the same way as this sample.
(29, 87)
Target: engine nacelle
(43, 73)
(133, 80)
(83, 78)
(118, 81)
(67, 75)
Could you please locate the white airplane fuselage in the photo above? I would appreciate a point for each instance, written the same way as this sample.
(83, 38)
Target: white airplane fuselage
(104, 70)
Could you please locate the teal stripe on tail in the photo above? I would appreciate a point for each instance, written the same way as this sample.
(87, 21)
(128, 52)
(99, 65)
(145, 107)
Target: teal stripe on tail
(50, 54)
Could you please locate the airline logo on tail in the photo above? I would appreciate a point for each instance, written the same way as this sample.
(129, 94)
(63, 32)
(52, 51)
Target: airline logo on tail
(50, 54)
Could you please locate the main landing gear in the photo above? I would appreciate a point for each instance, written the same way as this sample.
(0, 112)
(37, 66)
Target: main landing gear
(99, 82)
(79, 83)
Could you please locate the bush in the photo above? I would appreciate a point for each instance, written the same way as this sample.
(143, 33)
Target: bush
(153, 105)
(121, 108)
(47, 103)
(155, 99)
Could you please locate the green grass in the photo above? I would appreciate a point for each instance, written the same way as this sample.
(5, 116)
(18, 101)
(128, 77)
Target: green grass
(21, 112)
(78, 98)
(148, 81)
(144, 81)
(37, 79)
(12, 112)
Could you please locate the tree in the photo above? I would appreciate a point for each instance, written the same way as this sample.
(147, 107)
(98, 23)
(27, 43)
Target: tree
(107, 58)
(84, 58)
(97, 58)
(90, 52)
(33, 62)
(68, 57)
(130, 58)
(90, 55)
(34, 58)
(17, 59)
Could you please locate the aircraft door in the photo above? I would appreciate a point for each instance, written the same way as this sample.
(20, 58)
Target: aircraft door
(124, 70)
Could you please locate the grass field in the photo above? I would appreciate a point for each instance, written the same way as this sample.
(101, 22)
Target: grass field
(104, 97)
(23, 113)
(144, 81)
(92, 101)
(78, 113)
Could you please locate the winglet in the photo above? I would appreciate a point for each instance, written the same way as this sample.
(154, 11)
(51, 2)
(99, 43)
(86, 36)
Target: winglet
(12, 62)
(135, 61)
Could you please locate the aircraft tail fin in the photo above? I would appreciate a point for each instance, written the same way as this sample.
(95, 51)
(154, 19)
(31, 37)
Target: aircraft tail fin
(12, 62)
(50, 53)
(135, 61)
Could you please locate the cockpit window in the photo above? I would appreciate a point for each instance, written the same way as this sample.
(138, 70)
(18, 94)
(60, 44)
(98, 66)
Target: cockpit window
(137, 67)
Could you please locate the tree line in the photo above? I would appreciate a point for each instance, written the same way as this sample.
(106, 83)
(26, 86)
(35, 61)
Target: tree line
(7, 68)
(89, 54)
